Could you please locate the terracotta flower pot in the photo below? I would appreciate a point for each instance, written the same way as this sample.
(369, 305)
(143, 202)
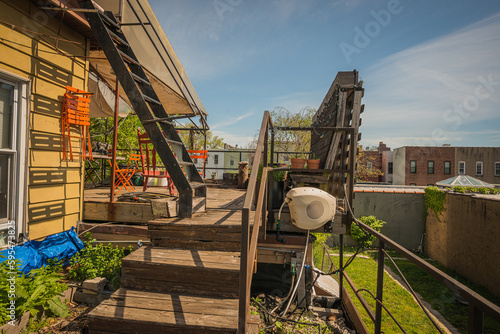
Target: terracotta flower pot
(313, 163)
(297, 163)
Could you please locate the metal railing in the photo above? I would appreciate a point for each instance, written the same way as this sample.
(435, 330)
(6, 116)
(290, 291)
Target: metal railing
(478, 305)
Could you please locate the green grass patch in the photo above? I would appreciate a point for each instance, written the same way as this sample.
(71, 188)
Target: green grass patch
(443, 299)
(399, 302)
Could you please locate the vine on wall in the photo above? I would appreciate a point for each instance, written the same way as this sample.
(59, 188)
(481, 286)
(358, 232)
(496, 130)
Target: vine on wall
(434, 200)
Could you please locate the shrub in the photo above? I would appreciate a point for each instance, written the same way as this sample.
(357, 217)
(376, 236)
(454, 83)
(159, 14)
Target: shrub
(40, 290)
(364, 240)
(97, 261)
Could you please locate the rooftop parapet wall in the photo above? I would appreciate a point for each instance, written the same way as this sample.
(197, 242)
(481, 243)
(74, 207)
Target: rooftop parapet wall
(465, 238)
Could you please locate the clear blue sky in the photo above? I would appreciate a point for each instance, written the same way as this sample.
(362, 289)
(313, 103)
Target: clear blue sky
(431, 68)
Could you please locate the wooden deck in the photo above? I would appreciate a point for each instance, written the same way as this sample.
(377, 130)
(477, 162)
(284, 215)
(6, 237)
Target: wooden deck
(97, 207)
(187, 281)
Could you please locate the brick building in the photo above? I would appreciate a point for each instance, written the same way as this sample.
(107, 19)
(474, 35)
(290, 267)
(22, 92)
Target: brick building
(374, 160)
(426, 165)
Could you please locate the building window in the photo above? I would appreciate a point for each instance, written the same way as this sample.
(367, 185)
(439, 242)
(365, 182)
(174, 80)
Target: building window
(430, 185)
(12, 158)
(497, 168)
(216, 159)
(479, 168)
(413, 166)
(461, 168)
(430, 167)
(447, 167)
(389, 168)
(231, 161)
(369, 165)
(413, 184)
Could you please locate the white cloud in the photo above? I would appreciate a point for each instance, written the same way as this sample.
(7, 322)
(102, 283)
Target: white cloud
(232, 121)
(296, 101)
(436, 85)
(234, 139)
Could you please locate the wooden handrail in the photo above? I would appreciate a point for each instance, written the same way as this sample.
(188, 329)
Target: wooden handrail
(249, 240)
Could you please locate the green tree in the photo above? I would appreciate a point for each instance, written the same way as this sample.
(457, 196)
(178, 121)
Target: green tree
(127, 131)
(213, 141)
(127, 134)
(292, 141)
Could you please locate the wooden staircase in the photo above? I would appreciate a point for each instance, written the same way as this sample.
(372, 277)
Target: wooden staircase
(186, 285)
(158, 124)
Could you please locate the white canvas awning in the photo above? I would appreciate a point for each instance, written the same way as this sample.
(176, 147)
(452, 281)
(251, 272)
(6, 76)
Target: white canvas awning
(102, 103)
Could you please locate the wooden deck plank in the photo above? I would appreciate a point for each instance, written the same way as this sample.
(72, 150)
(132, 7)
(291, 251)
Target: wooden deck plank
(212, 217)
(189, 258)
(223, 279)
(153, 285)
(122, 294)
(199, 245)
(202, 306)
(133, 320)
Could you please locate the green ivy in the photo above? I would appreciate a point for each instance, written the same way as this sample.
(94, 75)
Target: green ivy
(97, 261)
(434, 200)
(482, 190)
(360, 236)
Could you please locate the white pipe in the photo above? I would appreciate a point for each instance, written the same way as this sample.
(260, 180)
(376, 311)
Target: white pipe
(298, 277)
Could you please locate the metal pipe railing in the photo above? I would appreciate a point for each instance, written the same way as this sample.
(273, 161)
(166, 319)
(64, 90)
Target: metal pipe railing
(478, 305)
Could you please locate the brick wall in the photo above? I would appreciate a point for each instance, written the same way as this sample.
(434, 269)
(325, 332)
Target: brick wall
(424, 154)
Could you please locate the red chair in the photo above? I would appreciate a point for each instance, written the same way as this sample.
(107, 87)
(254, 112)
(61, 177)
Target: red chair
(199, 154)
(150, 170)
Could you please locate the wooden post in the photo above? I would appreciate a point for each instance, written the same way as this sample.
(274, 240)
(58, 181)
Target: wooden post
(476, 320)
(115, 137)
(242, 174)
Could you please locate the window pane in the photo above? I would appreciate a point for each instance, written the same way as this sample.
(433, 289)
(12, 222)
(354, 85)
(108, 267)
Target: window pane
(430, 167)
(413, 166)
(461, 168)
(447, 167)
(389, 167)
(497, 168)
(6, 110)
(4, 187)
(479, 168)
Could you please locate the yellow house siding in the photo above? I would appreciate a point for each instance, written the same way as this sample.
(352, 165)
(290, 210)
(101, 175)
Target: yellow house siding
(55, 186)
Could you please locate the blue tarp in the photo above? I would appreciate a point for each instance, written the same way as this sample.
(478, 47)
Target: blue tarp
(34, 254)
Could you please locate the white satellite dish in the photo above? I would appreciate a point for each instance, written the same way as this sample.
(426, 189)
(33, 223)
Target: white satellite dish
(310, 208)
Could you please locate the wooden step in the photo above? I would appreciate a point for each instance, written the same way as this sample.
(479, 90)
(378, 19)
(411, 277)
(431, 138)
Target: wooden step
(210, 230)
(132, 311)
(195, 272)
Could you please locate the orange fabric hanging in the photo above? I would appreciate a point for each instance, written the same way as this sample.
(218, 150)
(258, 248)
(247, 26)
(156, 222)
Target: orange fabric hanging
(76, 111)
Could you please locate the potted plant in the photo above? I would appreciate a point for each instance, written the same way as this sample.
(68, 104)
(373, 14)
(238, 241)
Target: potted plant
(298, 162)
(313, 163)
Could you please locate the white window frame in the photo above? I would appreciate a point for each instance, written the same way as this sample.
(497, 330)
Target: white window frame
(495, 168)
(369, 165)
(459, 163)
(18, 154)
(479, 163)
